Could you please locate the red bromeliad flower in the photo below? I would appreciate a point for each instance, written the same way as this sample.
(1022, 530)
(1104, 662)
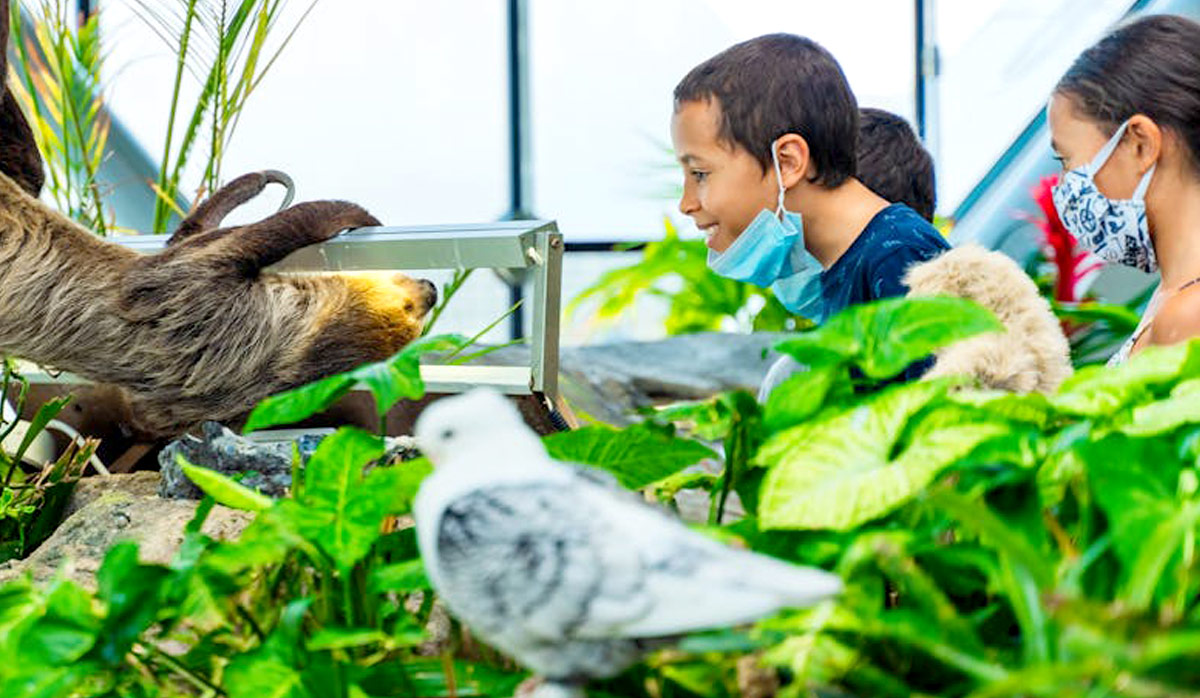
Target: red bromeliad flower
(1074, 266)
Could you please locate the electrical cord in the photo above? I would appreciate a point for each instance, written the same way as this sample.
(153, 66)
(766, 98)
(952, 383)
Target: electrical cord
(9, 413)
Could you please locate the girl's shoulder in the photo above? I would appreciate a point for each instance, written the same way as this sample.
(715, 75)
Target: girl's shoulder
(1179, 317)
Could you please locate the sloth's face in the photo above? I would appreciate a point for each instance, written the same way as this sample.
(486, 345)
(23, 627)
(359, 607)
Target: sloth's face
(390, 306)
(374, 316)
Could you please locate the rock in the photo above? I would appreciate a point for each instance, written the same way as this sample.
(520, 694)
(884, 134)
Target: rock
(140, 484)
(107, 510)
(265, 464)
(609, 382)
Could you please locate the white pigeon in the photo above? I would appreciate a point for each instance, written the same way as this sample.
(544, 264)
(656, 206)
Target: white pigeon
(568, 575)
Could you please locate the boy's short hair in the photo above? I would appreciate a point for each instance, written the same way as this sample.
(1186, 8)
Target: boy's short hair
(778, 84)
(893, 163)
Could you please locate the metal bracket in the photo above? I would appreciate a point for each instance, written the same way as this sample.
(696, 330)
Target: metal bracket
(535, 246)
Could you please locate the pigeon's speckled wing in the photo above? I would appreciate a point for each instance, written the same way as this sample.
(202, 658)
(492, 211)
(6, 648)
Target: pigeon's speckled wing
(571, 561)
(537, 558)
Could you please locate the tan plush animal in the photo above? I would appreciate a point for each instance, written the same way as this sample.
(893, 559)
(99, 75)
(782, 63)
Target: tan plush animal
(1033, 355)
(197, 331)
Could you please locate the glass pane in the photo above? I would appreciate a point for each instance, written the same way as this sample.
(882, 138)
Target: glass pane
(400, 106)
(1000, 59)
(602, 75)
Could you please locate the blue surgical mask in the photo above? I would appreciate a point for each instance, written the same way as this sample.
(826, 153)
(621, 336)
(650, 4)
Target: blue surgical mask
(770, 252)
(1115, 230)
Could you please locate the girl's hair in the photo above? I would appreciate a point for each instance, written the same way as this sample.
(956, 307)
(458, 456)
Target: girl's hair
(1150, 66)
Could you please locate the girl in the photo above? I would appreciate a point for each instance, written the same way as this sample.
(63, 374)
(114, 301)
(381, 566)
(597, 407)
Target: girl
(1125, 123)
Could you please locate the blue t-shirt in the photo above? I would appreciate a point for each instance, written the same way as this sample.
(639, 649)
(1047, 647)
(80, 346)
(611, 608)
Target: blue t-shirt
(872, 268)
(874, 265)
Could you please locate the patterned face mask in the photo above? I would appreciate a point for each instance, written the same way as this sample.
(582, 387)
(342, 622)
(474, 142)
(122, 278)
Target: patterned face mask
(1115, 230)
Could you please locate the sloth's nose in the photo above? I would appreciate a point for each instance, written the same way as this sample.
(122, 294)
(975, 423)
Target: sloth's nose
(430, 292)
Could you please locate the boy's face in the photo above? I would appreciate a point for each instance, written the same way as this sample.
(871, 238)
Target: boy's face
(724, 187)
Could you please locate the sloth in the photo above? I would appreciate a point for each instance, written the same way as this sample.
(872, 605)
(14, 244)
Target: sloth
(197, 331)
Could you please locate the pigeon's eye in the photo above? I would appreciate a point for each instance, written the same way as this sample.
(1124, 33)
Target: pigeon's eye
(447, 434)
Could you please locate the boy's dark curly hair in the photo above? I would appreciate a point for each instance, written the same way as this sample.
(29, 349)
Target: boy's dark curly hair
(778, 84)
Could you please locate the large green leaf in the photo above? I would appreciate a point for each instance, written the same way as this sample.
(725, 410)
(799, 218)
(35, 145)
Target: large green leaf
(636, 456)
(20, 607)
(393, 488)
(264, 677)
(843, 471)
(884, 337)
(1134, 481)
(1099, 391)
(1166, 415)
(333, 483)
(1028, 408)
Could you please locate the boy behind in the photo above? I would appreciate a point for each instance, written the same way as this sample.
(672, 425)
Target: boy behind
(767, 133)
(893, 163)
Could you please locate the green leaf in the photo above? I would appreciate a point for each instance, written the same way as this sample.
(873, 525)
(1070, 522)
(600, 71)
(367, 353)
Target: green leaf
(1163, 416)
(636, 456)
(1099, 391)
(253, 676)
(885, 337)
(270, 537)
(1123, 320)
(333, 483)
(301, 403)
(48, 411)
(402, 577)
(344, 638)
(1163, 545)
(225, 490)
(50, 682)
(842, 471)
(709, 420)
(400, 376)
(1134, 483)
(799, 397)
(66, 632)
(131, 592)
(389, 381)
(1028, 408)
(20, 607)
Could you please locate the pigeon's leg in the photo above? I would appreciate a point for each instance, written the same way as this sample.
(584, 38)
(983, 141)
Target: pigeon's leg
(547, 688)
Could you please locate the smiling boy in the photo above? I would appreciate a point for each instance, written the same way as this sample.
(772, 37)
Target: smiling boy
(767, 133)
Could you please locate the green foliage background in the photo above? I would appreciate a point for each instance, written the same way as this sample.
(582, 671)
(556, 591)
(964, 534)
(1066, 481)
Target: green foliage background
(992, 544)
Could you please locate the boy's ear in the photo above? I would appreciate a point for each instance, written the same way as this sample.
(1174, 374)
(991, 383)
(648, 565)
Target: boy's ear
(795, 162)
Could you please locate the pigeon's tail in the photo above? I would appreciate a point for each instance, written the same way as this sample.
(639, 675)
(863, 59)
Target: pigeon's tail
(795, 586)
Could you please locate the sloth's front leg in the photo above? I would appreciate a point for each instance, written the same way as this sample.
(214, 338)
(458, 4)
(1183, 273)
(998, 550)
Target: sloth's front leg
(264, 243)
